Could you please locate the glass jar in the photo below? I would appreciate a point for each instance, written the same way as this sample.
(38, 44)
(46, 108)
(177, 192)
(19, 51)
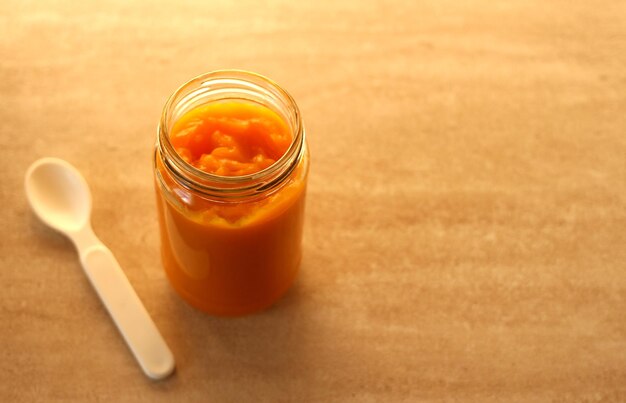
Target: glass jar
(220, 264)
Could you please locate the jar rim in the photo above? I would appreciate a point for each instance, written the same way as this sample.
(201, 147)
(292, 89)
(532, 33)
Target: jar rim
(196, 179)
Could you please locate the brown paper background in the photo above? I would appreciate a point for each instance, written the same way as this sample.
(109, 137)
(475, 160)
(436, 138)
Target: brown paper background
(466, 219)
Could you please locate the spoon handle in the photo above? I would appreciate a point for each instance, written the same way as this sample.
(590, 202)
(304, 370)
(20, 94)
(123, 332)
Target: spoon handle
(128, 313)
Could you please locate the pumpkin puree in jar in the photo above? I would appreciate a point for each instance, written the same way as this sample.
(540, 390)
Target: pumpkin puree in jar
(232, 258)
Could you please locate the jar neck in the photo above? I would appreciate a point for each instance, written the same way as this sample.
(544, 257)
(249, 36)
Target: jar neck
(230, 85)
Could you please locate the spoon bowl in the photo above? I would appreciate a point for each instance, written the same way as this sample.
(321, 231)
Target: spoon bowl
(58, 194)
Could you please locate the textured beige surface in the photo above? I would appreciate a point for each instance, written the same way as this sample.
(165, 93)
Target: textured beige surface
(466, 222)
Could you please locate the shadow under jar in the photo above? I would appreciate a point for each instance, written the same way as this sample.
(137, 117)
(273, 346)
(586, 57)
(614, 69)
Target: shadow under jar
(230, 243)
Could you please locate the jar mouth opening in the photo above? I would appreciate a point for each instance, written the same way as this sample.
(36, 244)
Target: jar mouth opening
(222, 85)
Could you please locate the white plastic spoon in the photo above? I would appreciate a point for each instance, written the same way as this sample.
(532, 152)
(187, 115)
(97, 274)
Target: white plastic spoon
(60, 197)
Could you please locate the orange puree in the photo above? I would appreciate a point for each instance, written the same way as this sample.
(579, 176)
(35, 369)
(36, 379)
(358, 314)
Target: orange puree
(224, 257)
(231, 138)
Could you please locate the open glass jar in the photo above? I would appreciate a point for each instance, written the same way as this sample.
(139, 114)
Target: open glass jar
(231, 245)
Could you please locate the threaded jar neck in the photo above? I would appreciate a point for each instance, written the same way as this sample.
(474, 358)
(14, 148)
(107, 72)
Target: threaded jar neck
(229, 85)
